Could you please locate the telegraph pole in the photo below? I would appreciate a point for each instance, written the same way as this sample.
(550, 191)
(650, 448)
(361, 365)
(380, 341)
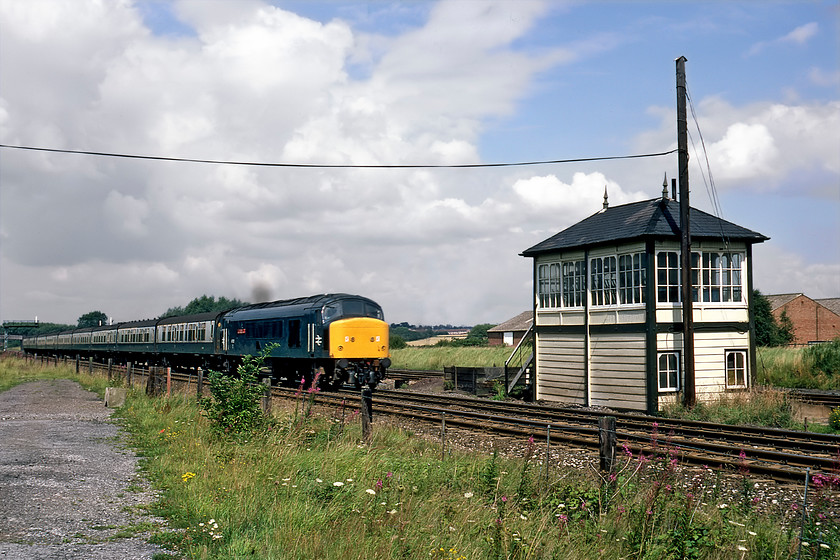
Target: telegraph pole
(685, 237)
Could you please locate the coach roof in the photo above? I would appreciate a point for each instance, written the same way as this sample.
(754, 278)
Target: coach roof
(657, 218)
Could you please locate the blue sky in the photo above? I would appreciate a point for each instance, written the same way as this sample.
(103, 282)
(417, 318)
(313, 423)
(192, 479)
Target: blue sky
(460, 81)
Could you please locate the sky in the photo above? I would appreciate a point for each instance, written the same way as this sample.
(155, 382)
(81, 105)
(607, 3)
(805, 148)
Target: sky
(394, 83)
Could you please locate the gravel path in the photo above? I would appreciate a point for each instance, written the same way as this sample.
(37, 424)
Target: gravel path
(68, 487)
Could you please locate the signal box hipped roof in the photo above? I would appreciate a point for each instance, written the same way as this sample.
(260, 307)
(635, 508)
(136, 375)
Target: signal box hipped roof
(650, 219)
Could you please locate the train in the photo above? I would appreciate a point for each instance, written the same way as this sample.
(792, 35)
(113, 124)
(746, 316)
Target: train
(335, 338)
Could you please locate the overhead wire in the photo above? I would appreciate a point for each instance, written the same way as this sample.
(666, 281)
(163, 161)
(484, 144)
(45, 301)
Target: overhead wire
(710, 185)
(334, 166)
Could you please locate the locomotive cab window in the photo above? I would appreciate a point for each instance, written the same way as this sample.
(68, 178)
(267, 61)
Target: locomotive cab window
(350, 308)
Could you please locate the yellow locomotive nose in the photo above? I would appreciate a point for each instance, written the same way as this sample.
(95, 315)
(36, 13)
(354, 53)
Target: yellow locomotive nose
(359, 337)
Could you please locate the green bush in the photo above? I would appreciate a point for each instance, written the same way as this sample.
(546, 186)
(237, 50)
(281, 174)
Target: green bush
(834, 418)
(234, 405)
(825, 357)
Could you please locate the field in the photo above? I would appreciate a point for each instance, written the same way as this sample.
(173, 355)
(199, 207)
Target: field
(306, 485)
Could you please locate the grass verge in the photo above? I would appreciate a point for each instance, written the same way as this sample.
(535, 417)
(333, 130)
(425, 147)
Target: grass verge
(309, 487)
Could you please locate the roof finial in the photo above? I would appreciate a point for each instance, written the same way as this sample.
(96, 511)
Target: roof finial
(665, 187)
(606, 198)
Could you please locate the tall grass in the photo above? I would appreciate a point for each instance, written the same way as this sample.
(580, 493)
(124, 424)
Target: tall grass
(435, 358)
(311, 487)
(757, 407)
(799, 368)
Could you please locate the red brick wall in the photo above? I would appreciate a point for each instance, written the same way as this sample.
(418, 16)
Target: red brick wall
(811, 321)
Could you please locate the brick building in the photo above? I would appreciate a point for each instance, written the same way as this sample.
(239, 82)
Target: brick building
(814, 320)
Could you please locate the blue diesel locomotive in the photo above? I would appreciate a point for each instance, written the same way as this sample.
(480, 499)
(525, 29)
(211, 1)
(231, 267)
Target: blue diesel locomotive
(338, 338)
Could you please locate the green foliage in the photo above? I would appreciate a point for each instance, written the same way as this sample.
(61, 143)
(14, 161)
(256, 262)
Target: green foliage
(93, 319)
(408, 334)
(397, 342)
(767, 331)
(824, 357)
(834, 418)
(204, 304)
(234, 405)
(44, 328)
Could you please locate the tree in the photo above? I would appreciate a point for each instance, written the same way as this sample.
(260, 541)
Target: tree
(767, 331)
(204, 304)
(93, 319)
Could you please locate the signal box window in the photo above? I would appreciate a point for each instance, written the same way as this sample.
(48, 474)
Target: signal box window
(736, 369)
(669, 371)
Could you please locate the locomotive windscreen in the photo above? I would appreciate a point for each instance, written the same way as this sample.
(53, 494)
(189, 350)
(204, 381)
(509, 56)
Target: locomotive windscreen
(351, 308)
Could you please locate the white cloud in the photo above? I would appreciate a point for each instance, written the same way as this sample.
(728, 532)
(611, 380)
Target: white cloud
(798, 36)
(801, 34)
(761, 146)
(746, 150)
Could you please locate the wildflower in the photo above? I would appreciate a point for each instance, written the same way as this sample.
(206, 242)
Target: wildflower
(504, 499)
(468, 494)
(187, 475)
(379, 484)
(722, 506)
(742, 548)
(522, 517)
(371, 491)
(318, 480)
(752, 533)
(823, 545)
(339, 483)
(349, 480)
(389, 474)
(392, 512)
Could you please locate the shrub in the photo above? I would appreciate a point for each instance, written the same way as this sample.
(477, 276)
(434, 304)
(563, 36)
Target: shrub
(825, 357)
(834, 418)
(234, 404)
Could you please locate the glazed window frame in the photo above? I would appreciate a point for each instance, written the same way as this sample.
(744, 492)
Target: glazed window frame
(603, 277)
(668, 371)
(736, 368)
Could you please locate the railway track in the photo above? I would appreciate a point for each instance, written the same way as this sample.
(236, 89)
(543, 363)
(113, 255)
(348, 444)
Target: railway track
(783, 455)
(779, 454)
(830, 399)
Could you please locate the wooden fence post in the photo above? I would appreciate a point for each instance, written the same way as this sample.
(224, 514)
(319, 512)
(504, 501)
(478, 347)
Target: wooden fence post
(607, 442)
(168, 382)
(442, 436)
(77, 364)
(110, 367)
(199, 383)
(265, 401)
(128, 373)
(367, 412)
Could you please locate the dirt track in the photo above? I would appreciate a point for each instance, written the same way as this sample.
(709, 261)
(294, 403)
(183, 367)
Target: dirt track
(68, 487)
